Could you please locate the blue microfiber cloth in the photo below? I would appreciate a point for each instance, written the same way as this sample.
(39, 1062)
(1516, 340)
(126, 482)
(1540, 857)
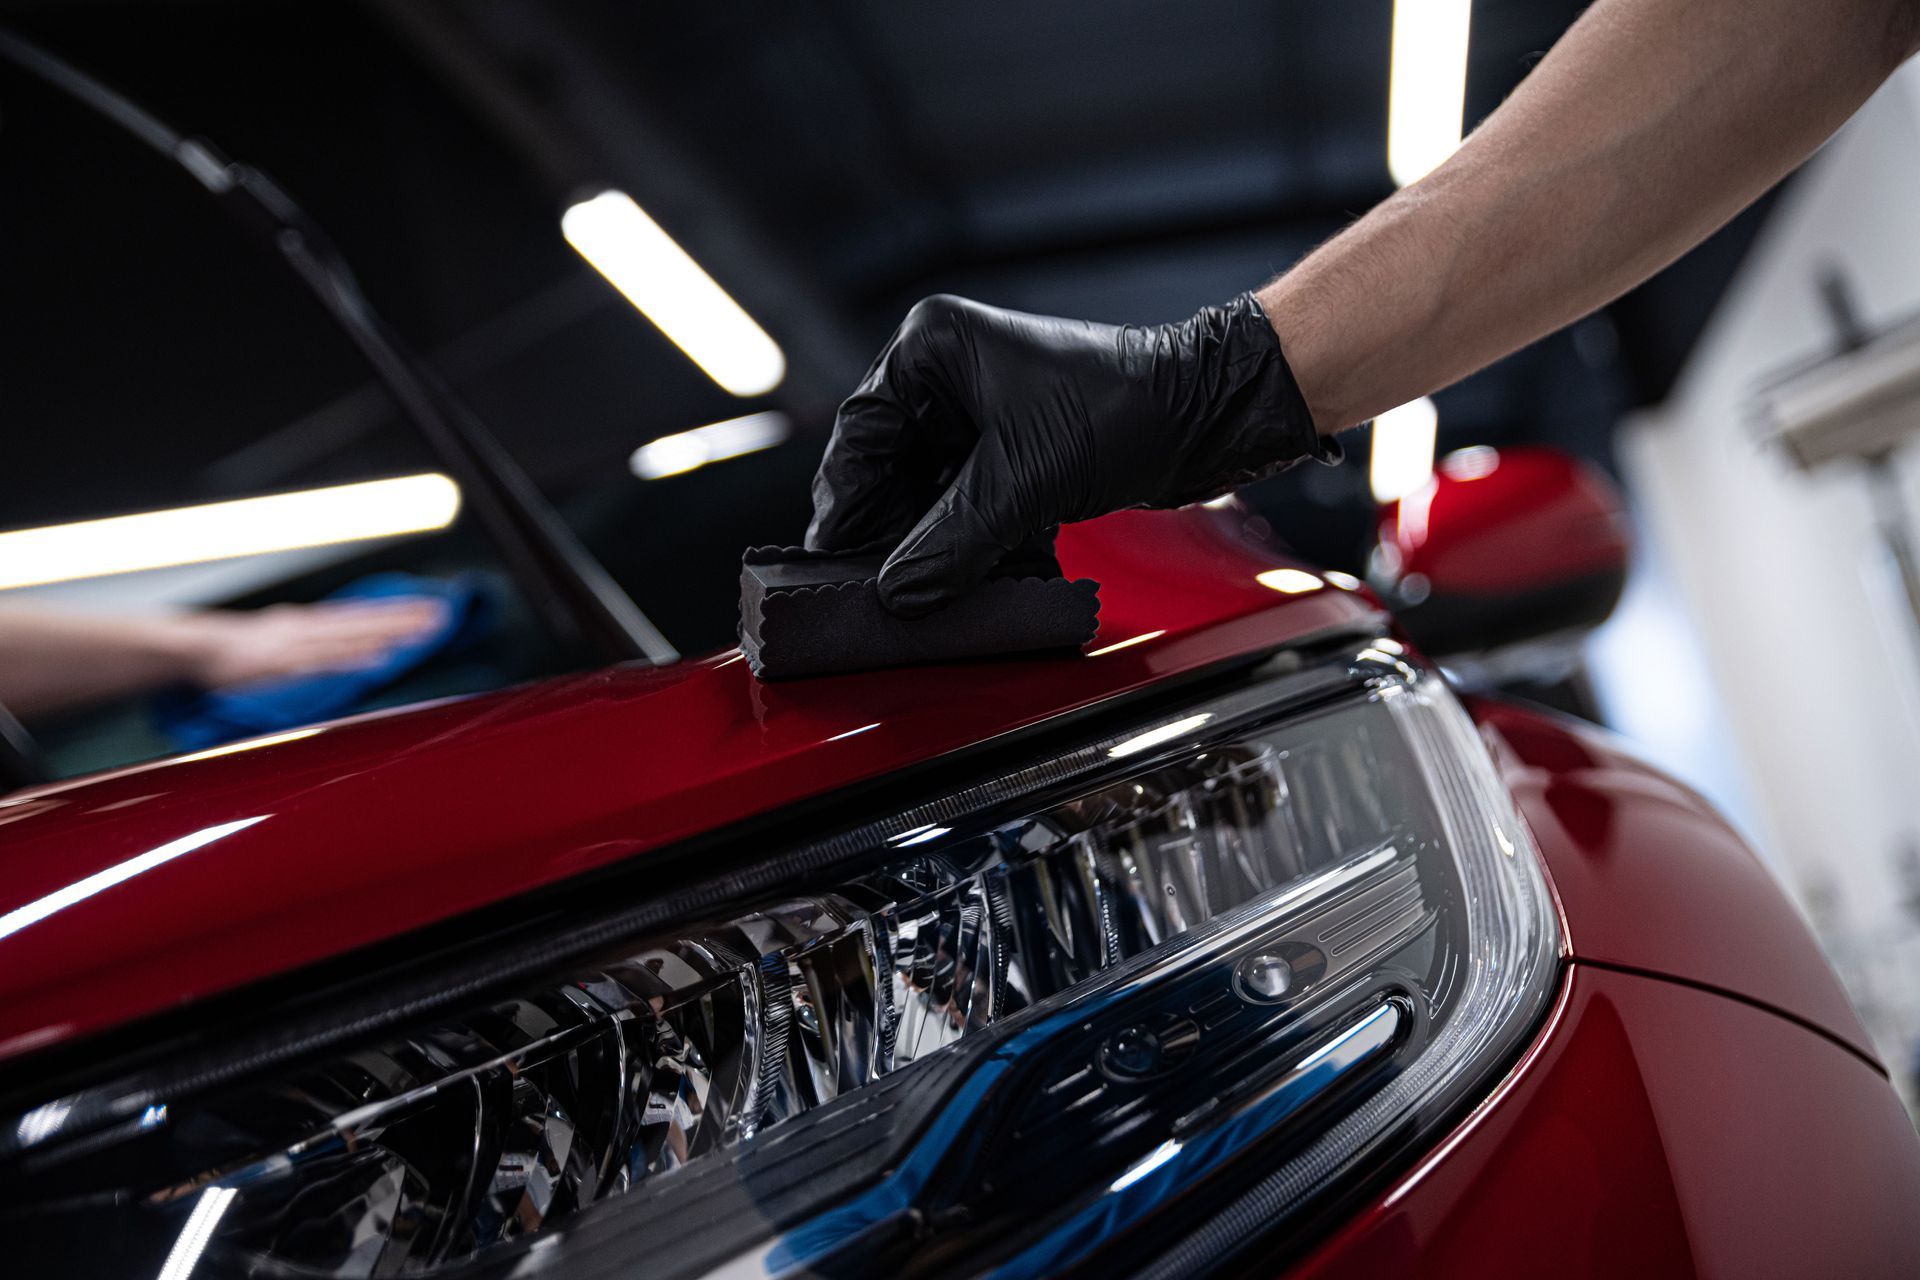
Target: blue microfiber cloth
(194, 719)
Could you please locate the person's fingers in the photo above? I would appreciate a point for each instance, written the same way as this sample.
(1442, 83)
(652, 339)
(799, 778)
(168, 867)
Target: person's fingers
(955, 545)
(403, 619)
(339, 658)
(372, 620)
(344, 612)
(340, 635)
(857, 490)
(323, 653)
(896, 439)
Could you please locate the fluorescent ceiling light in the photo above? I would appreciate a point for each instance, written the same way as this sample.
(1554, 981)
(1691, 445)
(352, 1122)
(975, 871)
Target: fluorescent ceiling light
(222, 530)
(1427, 94)
(670, 288)
(672, 455)
(1403, 450)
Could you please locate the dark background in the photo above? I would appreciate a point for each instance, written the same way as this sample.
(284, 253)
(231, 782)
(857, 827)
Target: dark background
(828, 162)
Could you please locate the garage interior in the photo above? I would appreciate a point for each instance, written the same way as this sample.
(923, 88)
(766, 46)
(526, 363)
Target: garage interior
(829, 163)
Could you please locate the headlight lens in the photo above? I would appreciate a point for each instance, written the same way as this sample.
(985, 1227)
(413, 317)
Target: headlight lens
(1140, 1002)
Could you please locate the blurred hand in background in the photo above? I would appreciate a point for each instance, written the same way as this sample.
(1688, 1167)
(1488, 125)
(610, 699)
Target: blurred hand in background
(52, 662)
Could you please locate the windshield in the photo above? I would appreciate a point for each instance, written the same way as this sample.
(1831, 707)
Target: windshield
(213, 523)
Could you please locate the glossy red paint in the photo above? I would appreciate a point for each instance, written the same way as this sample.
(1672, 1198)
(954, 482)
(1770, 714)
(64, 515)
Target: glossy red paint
(369, 828)
(1656, 1131)
(1654, 1128)
(1650, 877)
(1498, 523)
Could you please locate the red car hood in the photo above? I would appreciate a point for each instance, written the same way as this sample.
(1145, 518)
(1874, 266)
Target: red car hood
(127, 893)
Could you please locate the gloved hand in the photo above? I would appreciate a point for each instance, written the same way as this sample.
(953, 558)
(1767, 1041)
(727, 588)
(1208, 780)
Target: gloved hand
(979, 431)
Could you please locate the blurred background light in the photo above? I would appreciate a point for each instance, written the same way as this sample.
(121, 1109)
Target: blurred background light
(1475, 462)
(1402, 452)
(222, 530)
(1427, 92)
(656, 275)
(686, 450)
(1290, 582)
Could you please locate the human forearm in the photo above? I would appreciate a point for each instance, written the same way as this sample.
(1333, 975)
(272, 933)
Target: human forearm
(53, 661)
(978, 429)
(1647, 127)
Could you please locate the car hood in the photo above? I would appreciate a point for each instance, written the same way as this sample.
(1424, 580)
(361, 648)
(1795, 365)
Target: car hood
(128, 893)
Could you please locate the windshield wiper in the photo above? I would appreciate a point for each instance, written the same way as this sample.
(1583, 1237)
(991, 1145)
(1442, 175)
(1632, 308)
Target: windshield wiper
(573, 594)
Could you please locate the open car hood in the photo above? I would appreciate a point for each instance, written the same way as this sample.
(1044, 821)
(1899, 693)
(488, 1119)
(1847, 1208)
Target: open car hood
(128, 893)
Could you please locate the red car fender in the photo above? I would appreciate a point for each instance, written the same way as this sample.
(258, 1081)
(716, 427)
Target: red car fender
(1655, 1130)
(1651, 878)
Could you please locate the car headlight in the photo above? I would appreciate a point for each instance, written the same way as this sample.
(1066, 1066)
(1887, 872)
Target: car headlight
(1128, 1007)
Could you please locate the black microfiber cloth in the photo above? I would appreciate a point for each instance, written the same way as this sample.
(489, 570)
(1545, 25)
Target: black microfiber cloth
(806, 613)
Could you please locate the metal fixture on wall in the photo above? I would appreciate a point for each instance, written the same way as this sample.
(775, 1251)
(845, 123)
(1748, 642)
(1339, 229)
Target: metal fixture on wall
(1862, 402)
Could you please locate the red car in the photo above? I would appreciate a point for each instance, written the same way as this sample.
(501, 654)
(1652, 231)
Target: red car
(1241, 944)
(1238, 943)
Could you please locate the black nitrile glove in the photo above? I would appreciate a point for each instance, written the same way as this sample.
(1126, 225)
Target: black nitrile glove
(978, 431)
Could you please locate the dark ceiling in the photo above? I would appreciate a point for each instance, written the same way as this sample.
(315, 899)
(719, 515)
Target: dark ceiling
(828, 160)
